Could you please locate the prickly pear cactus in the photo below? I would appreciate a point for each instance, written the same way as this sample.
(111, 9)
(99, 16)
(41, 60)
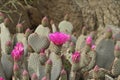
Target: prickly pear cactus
(5, 36)
(41, 30)
(34, 66)
(92, 56)
(56, 67)
(20, 37)
(38, 42)
(116, 67)
(105, 53)
(80, 42)
(65, 26)
(54, 48)
(2, 74)
(7, 64)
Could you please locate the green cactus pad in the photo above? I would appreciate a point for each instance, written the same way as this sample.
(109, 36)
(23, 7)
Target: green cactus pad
(2, 74)
(65, 27)
(7, 64)
(5, 36)
(34, 66)
(116, 67)
(44, 31)
(56, 66)
(105, 53)
(80, 42)
(38, 42)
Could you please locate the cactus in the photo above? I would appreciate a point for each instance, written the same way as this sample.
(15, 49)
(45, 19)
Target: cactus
(43, 57)
(92, 56)
(57, 65)
(2, 74)
(63, 75)
(16, 71)
(34, 77)
(116, 64)
(8, 47)
(5, 36)
(27, 32)
(45, 78)
(104, 58)
(80, 43)
(48, 68)
(108, 34)
(75, 65)
(19, 28)
(34, 65)
(43, 28)
(25, 75)
(65, 26)
(7, 64)
(38, 42)
(1, 17)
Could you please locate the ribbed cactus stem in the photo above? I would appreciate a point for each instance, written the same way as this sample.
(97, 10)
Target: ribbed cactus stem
(63, 75)
(34, 76)
(25, 75)
(48, 68)
(19, 28)
(43, 57)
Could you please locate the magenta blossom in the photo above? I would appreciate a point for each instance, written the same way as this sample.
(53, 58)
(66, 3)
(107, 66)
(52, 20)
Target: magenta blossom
(59, 38)
(89, 40)
(76, 57)
(18, 51)
(16, 55)
(93, 47)
(117, 48)
(2, 78)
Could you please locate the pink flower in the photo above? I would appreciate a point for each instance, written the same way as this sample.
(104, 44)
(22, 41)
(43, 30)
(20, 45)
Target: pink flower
(89, 40)
(96, 68)
(16, 55)
(93, 47)
(18, 51)
(25, 73)
(19, 46)
(76, 57)
(2, 78)
(59, 38)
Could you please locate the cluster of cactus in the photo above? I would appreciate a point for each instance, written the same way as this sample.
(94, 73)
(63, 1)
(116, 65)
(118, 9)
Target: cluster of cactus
(41, 55)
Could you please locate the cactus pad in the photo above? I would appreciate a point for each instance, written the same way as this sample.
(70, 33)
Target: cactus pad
(7, 64)
(34, 66)
(38, 42)
(105, 53)
(56, 67)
